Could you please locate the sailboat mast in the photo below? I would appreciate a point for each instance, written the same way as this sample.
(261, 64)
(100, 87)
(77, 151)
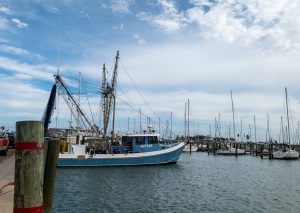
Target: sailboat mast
(188, 118)
(268, 128)
(232, 108)
(185, 121)
(171, 127)
(254, 128)
(242, 134)
(287, 114)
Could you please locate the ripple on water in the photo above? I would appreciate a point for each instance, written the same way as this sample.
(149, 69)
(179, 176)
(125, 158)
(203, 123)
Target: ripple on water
(197, 183)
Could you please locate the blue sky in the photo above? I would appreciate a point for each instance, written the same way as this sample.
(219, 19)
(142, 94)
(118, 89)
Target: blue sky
(173, 50)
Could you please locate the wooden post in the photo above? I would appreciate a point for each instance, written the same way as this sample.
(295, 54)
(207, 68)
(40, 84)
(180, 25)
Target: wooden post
(215, 148)
(50, 174)
(29, 167)
(207, 145)
(236, 148)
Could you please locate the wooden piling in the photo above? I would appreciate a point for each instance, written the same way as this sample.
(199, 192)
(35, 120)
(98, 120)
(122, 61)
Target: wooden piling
(29, 167)
(214, 147)
(50, 174)
(270, 151)
(207, 148)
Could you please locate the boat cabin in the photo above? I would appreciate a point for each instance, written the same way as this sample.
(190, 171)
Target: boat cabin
(136, 143)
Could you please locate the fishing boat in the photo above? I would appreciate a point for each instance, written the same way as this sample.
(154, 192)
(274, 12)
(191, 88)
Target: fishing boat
(286, 153)
(134, 150)
(105, 149)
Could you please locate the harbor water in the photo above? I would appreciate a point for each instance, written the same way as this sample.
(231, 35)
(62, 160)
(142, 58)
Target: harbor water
(197, 183)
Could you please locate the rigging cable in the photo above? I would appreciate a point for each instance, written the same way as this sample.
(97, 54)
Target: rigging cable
(138, 90)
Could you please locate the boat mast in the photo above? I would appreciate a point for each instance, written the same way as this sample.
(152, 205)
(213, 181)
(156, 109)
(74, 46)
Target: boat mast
(188, 125)
(288, 120)
(298, 138)
(254, 129)
(171, 128)
(114, 89)
(109, 95)
(250, 133)
(232, 108)
(185, 121)
(219, 125)
(268, 129)
(242, 134)
(105, 101)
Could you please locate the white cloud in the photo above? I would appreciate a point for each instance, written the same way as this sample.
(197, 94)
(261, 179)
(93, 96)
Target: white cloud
(19, 23)
(169, 20)
(85, 14)
(5, 10)
(139, 39)
(22, 101)
(4, 25)
(51, 9)
(258, 24)
(268, 24)
(39, 71)
(120, 6)
(118, 27)
(18, 51)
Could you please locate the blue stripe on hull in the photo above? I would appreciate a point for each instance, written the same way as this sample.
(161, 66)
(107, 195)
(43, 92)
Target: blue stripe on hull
(166, 158)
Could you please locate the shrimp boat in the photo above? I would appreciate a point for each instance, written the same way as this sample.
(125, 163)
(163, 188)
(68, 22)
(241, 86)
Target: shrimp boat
(134, 150)
(131, 149)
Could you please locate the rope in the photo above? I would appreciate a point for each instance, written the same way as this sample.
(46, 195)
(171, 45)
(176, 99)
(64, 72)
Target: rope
(8, 184)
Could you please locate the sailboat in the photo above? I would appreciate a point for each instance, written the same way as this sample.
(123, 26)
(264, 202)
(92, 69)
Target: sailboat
(286, 153)
(189, 146)
(231, 150)
(130, 149)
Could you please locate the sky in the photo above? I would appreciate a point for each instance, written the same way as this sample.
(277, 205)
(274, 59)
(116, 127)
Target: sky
(170, 51)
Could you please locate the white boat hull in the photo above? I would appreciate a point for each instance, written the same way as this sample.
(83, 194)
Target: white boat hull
(231, 151)
(286, 155)
(188, 149)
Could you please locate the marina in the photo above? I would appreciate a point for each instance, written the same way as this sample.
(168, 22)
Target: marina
(149, 106)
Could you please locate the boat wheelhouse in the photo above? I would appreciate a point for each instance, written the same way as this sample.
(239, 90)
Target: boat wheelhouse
(136, 143)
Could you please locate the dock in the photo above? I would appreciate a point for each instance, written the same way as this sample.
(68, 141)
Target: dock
(7, 172)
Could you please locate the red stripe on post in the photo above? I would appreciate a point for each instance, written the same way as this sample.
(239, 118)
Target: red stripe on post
(38, 209)
(28, 145)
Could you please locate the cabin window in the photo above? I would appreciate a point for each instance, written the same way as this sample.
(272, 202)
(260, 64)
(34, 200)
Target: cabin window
(126, 141)
(152, 140)
(139, 140)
